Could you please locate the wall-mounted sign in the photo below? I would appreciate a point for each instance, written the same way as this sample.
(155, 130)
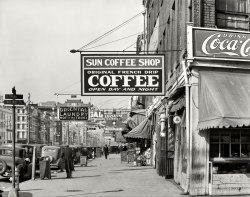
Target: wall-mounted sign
(177, 119)
(122, 75)
(220, 44)
(74, 113)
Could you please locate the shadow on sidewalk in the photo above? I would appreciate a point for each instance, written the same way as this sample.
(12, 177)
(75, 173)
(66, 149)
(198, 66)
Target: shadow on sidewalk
(21, 194)
(77, 177)
(131, 169)
(83, 194)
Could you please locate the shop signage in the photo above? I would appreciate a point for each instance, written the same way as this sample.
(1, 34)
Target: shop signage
(122, 75)
(109, 114)
(218, 43)
(74, 113)
(177, 119)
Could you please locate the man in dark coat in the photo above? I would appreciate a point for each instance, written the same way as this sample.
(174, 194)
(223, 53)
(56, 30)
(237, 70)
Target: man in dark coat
(68, 158)
(106, 151)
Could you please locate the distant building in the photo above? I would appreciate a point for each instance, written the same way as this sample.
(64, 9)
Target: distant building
(21, 124)
(6, 119)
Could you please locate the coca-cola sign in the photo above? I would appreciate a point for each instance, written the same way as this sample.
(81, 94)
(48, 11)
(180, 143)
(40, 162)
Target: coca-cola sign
(221, 44)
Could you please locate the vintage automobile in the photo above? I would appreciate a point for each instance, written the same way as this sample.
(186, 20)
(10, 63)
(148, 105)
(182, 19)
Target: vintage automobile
(22, 162)
(52, 153)
(29, 151)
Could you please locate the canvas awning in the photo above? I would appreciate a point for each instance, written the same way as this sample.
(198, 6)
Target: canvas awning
(178, 104)
(119, 137)
(140, 131)
(224, 99)
(137, 117)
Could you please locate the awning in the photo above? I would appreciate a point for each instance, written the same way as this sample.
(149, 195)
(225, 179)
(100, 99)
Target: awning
(119, 137)
(178, 104)
(138, 116)
(140, 131)
(224, 99)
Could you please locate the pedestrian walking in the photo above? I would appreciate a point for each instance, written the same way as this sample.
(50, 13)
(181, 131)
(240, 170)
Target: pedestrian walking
(68, 159)
(106, 151)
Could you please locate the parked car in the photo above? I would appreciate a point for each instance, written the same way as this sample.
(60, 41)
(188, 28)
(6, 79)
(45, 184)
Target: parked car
(22, 162)
(29, 151)
(53, 154)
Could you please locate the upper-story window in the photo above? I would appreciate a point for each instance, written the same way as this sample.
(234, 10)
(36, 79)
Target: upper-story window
(232, 14)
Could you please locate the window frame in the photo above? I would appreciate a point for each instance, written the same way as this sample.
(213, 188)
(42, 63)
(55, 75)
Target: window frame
(235, 16)
(219, 133)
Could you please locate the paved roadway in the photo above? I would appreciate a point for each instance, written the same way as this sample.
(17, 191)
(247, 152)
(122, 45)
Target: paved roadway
(102, 177)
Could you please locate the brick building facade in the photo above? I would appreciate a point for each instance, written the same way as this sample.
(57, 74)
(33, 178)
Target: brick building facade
(204, 42)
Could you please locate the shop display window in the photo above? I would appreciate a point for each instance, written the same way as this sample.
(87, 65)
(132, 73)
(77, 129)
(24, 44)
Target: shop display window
(231, 143)
(230, 151)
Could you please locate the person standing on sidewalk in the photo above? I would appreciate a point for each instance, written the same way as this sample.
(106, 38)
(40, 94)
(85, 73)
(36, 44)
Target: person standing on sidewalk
(106, 151)
(68, 159)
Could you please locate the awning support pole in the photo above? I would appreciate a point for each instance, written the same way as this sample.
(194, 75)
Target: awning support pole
(188, 133)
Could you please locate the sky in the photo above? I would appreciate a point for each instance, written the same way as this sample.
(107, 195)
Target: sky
(37, 35)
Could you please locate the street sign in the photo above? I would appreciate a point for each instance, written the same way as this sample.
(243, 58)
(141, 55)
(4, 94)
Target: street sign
(12, 96)
(14, 102)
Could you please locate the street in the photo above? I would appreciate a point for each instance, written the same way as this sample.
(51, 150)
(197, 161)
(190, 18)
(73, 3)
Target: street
(102, 177)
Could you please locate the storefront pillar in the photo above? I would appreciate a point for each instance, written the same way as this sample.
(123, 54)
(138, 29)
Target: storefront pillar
(199, 146)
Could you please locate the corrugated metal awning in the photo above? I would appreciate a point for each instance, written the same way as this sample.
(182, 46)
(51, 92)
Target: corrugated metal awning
(224, 99)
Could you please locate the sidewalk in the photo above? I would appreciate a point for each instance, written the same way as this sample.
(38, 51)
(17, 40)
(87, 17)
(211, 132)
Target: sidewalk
(103, 177)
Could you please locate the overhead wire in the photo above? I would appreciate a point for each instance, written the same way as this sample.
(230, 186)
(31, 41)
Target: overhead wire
(129, 46)
(109, 32)
(68, 87)
(114, 41)
(112, 101)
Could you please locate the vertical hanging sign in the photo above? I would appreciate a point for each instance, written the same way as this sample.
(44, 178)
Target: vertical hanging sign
(122, 75)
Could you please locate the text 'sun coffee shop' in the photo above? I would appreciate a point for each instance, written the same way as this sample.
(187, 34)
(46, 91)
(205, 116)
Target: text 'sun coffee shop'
(219, 115)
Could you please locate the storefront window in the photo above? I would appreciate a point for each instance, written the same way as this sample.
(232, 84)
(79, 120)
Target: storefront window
(231, 143)
(230, 151)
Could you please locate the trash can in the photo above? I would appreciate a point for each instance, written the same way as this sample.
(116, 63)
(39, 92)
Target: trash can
(44, 166)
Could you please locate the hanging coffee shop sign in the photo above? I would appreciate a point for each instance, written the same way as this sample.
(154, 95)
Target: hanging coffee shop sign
(104, 75)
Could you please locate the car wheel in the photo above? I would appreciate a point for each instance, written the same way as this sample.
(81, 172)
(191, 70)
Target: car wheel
(3, 166)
